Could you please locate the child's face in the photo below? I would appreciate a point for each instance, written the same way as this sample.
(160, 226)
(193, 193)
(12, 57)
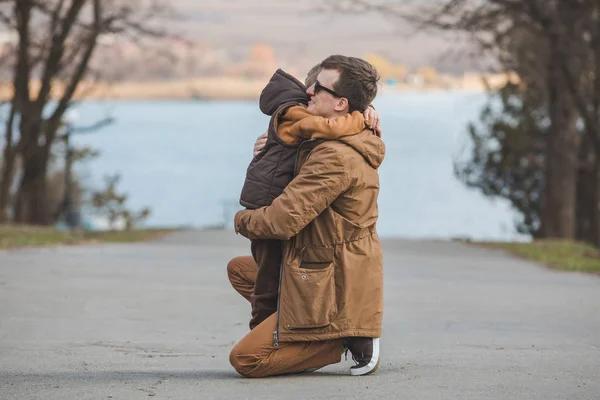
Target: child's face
(311, 78)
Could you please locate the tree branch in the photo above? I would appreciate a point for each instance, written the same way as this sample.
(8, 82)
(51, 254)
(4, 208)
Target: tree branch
(22, 66)
(55, 18)
(7, 21)
(56, 51)
(54, 120)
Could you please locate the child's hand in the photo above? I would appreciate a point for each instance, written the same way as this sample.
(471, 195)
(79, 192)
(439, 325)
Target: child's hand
(260, 143)
(372, 119)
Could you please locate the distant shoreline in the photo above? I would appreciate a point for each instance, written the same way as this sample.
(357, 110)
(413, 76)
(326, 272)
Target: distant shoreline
(230, 88)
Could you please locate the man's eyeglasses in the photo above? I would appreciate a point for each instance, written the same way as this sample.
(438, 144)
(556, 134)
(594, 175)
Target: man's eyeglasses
(319, 87)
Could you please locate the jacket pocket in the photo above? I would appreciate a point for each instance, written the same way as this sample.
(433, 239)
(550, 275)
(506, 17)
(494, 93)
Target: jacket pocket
(316, 257)
(313, 294)
(312, 290)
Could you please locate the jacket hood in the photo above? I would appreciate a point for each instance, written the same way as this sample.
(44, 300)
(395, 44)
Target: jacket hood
(282, 89)
(367, 144)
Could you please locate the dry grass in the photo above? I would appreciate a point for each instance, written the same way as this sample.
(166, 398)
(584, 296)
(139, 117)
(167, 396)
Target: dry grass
(556, 254)
(17, 236)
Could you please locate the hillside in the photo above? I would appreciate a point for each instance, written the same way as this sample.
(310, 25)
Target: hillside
(301, 30)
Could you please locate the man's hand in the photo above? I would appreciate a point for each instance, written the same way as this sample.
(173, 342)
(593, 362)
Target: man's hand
(372, 118)
(260, 143)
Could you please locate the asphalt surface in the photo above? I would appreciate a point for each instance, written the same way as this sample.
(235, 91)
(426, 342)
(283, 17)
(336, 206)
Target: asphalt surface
(132, 321)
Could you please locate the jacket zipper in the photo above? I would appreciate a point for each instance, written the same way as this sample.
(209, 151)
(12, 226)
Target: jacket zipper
(276, 333)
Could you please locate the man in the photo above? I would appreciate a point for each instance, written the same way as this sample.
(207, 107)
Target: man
(331, 288)
(284, 98)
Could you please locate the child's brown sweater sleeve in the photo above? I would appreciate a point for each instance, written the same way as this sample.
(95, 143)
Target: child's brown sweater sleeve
(298, 124)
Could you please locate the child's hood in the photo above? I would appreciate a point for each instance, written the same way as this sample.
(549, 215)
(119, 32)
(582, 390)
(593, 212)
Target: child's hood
(282, 89)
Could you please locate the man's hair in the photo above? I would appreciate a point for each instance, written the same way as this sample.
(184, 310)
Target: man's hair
(311, 77)
(358, 80)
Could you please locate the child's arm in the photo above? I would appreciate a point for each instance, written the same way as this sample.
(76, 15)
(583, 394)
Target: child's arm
(298, 124)
(372, 119)
(331, 128)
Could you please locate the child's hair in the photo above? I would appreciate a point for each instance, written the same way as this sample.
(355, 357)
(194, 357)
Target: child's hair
(311, 77)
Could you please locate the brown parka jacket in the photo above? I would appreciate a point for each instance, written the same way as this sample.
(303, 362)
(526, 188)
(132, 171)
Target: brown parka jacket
(332, 270)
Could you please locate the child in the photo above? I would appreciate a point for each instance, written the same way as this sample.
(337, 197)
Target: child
(285, 100)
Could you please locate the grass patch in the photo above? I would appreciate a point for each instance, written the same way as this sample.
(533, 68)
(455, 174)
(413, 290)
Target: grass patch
(557, 254)
(15, 236)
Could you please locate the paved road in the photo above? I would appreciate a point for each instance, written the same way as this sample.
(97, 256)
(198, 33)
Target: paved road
(158, 320)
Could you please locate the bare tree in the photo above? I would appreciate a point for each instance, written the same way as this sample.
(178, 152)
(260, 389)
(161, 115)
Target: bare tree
(562, 59)
(579, 57)
(56, 41)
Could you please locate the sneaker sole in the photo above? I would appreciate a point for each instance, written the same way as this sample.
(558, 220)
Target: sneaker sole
(311, 370)
(372, 365)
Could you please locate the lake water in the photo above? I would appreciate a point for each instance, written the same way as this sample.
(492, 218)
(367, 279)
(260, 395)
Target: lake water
(187, 161)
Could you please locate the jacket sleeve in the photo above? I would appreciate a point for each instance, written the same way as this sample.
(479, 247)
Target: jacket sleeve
(319, 182)
(315, 127)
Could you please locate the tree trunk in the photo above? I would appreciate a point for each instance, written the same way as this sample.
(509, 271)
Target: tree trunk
(560, 189)
(32, 200)
(6, 181)
(562, 156)
(8, 167)
(594, 237)
(585, 201)
(588, 193)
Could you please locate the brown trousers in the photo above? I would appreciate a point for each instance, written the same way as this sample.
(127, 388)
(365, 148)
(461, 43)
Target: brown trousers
(255, 356)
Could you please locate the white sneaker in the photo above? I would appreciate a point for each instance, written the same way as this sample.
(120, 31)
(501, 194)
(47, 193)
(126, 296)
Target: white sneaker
(365, 352)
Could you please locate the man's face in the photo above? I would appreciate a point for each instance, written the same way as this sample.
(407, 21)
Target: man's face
(323, 103)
